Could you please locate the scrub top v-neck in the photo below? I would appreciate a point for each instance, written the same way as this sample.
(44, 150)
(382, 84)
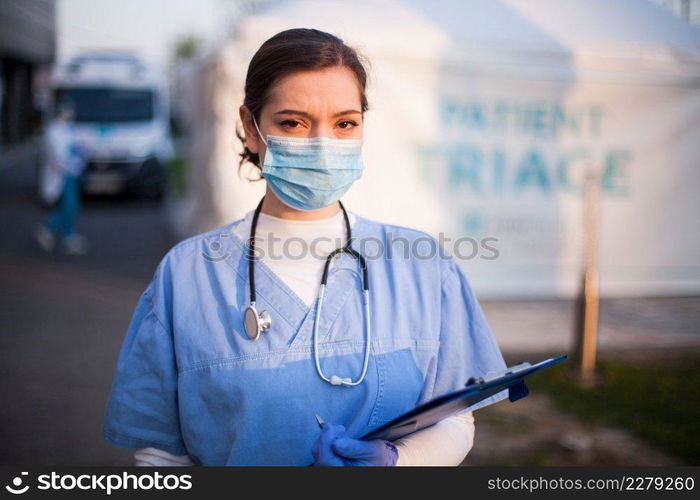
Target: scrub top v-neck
(190, 381)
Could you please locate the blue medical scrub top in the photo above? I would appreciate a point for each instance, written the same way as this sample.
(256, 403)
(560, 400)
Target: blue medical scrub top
(189, 381)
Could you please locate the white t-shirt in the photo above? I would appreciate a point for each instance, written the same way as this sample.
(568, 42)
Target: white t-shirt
(296, 252)
(62, 148)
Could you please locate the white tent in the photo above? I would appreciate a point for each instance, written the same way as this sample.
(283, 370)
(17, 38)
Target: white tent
(484, 116)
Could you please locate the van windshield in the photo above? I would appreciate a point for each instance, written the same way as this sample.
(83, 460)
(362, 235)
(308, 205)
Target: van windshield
(109, 104)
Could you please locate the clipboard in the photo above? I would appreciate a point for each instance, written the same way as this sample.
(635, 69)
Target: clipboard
(476, 390)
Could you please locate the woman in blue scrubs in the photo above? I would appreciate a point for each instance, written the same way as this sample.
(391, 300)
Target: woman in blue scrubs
(193, 386)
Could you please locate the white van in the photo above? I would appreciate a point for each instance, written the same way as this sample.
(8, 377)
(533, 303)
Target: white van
(121, 118)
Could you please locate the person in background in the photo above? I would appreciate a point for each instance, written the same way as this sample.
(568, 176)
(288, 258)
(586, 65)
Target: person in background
(69, 161)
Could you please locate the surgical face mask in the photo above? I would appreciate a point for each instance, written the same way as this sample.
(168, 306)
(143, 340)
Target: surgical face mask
(308, 173)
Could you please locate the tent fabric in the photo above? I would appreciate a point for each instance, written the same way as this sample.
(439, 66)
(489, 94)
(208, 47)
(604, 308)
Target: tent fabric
(484, 118)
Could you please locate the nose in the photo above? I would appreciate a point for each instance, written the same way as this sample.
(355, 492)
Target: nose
(321, 130)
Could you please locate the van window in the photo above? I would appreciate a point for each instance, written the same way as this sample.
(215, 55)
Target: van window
(109, 104)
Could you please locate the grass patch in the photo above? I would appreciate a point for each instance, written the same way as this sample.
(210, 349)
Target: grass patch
(176, 175)
(511, 424)
(660, 403)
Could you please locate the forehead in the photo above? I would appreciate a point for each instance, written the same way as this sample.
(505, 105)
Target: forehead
(329, 88)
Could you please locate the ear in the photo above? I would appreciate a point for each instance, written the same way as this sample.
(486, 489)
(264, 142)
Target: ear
(251, 134)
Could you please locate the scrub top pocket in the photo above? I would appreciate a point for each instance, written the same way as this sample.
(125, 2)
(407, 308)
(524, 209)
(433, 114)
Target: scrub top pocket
(403, 365)
(261, 409)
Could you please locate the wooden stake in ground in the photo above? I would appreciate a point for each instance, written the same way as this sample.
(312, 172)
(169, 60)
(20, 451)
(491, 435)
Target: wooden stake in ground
(587, 307)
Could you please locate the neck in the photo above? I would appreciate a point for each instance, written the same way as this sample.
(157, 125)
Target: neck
(274, 207)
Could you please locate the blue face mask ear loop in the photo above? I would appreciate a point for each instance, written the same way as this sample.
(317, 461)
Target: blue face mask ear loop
(336, 380)
(256, 128)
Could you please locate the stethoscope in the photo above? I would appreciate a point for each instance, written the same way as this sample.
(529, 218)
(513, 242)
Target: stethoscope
(255, 323)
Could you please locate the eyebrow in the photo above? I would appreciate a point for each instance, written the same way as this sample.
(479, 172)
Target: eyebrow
(307, 115)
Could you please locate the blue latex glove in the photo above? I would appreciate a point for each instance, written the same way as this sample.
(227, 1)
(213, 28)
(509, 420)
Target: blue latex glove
(322, 449)
(334, 448)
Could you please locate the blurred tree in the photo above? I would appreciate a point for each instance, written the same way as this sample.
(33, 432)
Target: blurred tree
(187, 47)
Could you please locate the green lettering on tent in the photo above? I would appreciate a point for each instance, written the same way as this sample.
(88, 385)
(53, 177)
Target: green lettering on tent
(465, 165)
(499, 169)
(538, 119)
(532, 171)
(448, 111)
(476, 115)
(614, 179)
(564, 167)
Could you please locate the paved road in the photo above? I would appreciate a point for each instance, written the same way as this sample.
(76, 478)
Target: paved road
(626, 324)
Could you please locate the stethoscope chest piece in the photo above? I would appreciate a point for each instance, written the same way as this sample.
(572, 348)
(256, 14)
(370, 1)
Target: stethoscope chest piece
(256, 323)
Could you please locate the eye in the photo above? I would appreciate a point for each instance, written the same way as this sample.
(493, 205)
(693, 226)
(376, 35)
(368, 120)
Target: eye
(347, 124)
(290, 124)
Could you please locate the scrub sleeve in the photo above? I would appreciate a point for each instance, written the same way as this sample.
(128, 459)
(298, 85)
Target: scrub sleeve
(467, 345)
(143, 409)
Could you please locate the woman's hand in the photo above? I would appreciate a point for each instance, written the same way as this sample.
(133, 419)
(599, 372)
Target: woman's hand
(322, 449)
(334, 448)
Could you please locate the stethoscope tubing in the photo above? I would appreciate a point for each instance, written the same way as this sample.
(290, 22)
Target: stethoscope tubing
(347, 248)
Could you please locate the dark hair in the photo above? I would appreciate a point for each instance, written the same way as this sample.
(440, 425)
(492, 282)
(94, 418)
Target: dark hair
(290, 51)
